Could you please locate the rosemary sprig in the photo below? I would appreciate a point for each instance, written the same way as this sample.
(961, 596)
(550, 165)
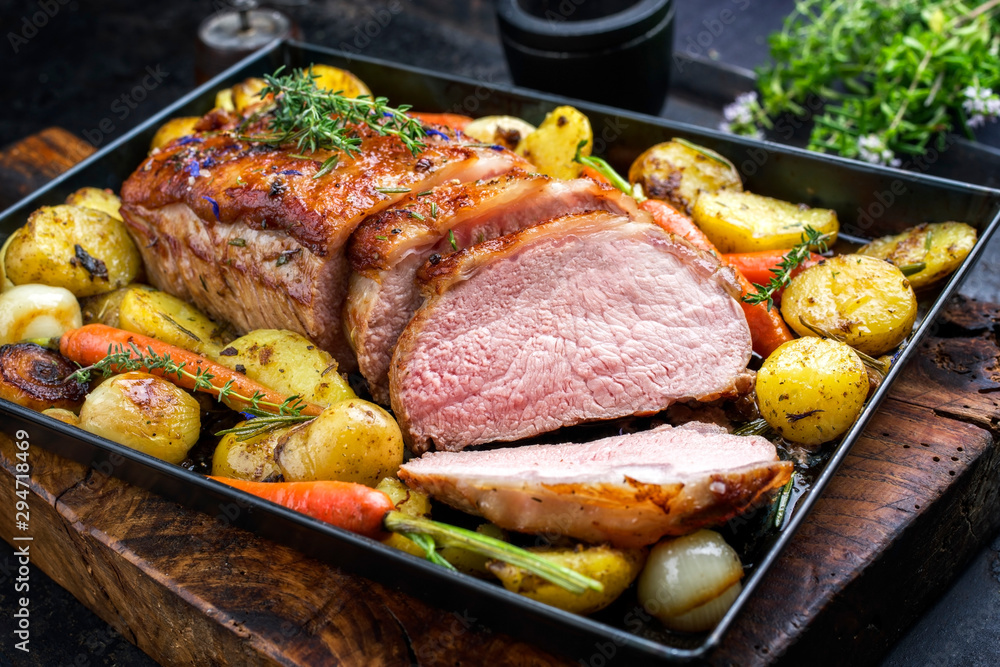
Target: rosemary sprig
(798, 254)
(781, 502)
(315, 119)
(120, 359)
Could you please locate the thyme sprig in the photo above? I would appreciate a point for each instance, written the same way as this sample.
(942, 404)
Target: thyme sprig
(812, 238)
(317, 119)
(267, 414)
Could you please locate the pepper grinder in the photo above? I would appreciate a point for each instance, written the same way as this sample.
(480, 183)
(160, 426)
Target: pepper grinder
(230, 35)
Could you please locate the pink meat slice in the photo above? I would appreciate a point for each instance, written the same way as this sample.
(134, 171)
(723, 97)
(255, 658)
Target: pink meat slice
(584, 317)
(629, 490)
(387, 249)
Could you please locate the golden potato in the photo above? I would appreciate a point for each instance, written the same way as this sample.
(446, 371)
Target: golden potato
(552, 147)
(351, 441)
(86, 251)
(165, 317)
(251, 459)
(744, 222)
(507, 131)
(470, 562)
(678, 172)
(224, 100)
(864, 301)
(144, 412)
(5, 283)
(287, 362)
(811, 390)
(104, 308)
(407, 501)
(928, 252)
(97, 199)
(175, 128)
(247, 93)
(615, 568)
(339, 80)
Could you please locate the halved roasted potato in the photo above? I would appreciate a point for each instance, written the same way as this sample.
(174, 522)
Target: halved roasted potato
(86, 251)
(247, 93)
(5, 283)
(175, 128)
(97, 199)
(744, 222)
(678, 172)
(224, 100)
(864, 301)
(552, 147)
(162, 316)
(507, 131)
(339, 80)
(615, 568)
(926, 253)
(251, 459)
(287, 362)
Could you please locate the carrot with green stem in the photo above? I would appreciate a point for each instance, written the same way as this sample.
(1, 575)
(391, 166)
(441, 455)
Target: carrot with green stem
(370, 512)
(104, 349)
(767, 329)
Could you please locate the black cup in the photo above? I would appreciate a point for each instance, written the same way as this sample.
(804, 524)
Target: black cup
(615, 52)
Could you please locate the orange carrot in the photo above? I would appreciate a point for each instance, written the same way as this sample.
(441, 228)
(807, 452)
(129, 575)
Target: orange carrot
(353, 507)
(594, 175)
(453, 120)
(675, 222)
(91, 343)
(759, 267)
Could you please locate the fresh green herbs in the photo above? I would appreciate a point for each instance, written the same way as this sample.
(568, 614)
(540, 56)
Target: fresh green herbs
(392, 191)
(315, 119)
(880, 78)
(798, 254)
(434, 210)
(414, 214)
(451, 239)
(268, 415)
(602, 167)
(328, 165)
(780, 506)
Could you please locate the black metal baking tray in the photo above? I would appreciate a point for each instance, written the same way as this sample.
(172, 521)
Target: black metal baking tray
(870, 201)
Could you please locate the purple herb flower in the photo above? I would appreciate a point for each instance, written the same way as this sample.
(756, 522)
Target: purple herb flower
(430, 130)
(215, 206)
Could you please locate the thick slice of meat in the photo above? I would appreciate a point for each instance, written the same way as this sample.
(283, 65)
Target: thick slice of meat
(584, 317)
(387, 249)
(629, 490)
(247, 233)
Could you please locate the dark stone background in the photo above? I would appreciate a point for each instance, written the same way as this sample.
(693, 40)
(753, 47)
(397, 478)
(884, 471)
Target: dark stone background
(71, 71)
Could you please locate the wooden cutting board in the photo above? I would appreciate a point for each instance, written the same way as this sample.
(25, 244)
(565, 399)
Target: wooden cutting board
(914, 500)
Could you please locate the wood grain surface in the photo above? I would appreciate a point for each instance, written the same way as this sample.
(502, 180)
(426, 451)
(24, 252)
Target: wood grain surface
(32, 162)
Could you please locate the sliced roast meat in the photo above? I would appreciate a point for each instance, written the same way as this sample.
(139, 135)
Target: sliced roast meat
(584, 317)
(629, 490)
(387, 249)
(254, 235)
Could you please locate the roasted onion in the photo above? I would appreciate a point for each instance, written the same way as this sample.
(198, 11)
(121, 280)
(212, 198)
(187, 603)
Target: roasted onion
(144, 412)
(37, 311)
(35, 377)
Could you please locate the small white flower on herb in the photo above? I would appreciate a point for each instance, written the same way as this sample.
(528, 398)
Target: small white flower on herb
(741, 115)
(872, 148)
(981, 105)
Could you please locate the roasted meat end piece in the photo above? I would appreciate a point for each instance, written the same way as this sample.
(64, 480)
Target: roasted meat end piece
(585, 317)
(629, 490)
(387, 249)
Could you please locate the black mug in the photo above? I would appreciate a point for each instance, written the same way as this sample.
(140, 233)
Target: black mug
(615, 52)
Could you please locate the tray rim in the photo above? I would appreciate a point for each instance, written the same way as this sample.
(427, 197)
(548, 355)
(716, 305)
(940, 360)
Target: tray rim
(101, 449)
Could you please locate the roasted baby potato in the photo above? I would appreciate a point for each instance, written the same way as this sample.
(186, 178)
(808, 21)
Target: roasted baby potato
(224, 100)
(247, 93)
(744, 222)
(409, 502)
(6, 284)
(615, 568)
(339, 80)
(104, 308)
(811, 390)
(175, 128)
(159, 315)
(86, 251)
(552, 147)
(144, 412)
(351, 441)
(97, 199)
(507, 131)
(863, 301)
(37, 311)
(927, 253)
(287, 362)
(678, 172)
(251, 459)
(36, 377)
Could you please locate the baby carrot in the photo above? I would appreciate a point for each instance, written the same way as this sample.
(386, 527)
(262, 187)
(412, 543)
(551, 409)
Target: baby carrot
(91, 344)
(452, 120)
(759, 267)
(353, 507)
